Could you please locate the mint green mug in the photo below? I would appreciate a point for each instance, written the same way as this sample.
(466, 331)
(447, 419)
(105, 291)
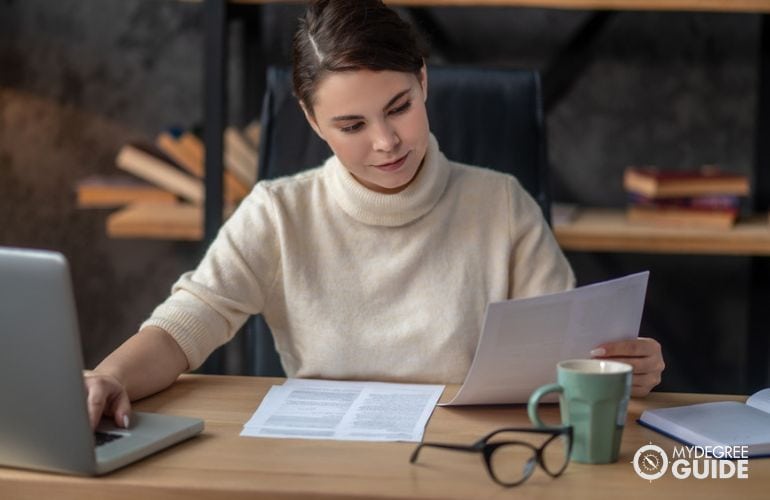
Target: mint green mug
(593, 398)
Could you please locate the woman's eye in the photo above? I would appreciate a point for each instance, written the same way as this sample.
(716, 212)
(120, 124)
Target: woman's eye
(401, 108)
(352, 128)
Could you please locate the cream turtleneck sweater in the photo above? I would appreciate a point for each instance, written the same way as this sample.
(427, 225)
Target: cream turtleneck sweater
(357, 284)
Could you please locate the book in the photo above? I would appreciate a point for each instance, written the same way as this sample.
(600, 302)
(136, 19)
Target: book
(253, 133)
(187, 150)
(184, 156)
(171, 221)
(682, 217)
(179, 221)
(240, 156)
(723, 423)
(152, 166)
(563, 213)
(192, 142)
(706, 202)
(654, 182)
(110, 192)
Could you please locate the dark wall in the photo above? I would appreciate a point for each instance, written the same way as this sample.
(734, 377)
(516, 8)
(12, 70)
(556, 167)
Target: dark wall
(78, 78)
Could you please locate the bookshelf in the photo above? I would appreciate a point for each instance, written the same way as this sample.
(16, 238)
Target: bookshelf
(592, 230)
(219, 12)
(752, 6)
(606, 230)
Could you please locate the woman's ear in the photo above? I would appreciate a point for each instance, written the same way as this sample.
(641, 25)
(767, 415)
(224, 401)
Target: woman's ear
(311, 120)
(424, 81)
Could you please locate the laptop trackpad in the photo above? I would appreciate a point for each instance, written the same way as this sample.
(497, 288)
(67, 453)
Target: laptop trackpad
(149, 432)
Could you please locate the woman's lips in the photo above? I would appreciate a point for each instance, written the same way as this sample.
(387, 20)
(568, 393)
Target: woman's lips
(390, 167)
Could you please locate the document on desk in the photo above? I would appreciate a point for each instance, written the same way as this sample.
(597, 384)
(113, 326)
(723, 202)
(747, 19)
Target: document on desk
(353, 411)
(523, 339)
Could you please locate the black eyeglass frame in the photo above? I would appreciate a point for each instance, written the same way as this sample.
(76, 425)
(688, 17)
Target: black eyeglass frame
(487, 449)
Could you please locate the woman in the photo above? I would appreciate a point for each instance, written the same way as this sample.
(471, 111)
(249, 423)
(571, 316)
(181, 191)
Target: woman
(378, 264)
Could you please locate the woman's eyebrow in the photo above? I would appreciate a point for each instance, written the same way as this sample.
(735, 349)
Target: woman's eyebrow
(396, 98)
(390, 103)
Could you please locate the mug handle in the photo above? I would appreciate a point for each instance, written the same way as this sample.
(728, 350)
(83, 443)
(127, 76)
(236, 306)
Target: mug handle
(534, 401)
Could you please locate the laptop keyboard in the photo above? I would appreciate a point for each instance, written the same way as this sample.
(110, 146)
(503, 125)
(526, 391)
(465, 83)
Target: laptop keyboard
(105, 437)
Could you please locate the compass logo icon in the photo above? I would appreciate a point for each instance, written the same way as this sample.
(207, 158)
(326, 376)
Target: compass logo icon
(650, 462)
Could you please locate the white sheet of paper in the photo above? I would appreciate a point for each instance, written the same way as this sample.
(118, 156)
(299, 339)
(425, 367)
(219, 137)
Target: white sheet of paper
(523, 339)
(356, 411)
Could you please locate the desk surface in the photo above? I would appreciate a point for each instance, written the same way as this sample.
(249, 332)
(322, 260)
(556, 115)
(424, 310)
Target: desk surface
(221, 464)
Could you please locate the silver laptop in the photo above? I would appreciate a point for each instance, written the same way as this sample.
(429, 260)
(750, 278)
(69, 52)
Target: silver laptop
(43, 416)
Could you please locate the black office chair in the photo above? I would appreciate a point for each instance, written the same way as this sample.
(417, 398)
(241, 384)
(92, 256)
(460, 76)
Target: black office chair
(485, 117)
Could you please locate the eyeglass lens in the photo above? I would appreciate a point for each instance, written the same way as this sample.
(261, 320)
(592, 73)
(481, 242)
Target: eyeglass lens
(555, 455)
(512, 463)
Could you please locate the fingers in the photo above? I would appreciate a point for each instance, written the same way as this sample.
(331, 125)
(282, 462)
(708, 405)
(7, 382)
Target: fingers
(643, 354)
(96, 403)
(639, 347)
(121, 410)
(640, 392)
(106, 396)
(651, 364)
(642, 384)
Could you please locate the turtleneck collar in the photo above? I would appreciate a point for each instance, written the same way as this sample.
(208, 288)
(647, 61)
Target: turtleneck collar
(379, 209)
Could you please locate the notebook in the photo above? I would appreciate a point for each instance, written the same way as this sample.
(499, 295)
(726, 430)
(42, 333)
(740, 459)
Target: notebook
(43, 417)
(722, 423)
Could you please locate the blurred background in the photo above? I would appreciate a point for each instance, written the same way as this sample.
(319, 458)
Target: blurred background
(80, 78)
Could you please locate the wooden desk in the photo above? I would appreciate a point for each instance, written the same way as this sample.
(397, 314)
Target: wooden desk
(221, 464)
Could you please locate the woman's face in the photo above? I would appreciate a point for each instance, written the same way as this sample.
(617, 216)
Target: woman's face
(376, 124)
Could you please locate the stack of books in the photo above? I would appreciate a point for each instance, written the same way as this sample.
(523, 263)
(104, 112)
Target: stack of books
(160, 192)
(702, 198)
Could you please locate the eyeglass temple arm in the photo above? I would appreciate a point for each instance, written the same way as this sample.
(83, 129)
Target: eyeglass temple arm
(446, 446)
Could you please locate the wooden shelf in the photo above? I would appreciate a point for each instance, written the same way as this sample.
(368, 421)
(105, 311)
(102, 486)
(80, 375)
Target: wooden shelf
(606, 230)
(590, 230)
(660, 5)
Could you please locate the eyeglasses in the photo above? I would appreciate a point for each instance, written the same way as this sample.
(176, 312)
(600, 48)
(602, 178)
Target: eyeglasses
(510, 457)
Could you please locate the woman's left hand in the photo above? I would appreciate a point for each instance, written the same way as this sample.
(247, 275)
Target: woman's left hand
(643, 353)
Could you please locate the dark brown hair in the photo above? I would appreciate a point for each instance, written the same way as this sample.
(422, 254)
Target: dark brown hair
(348, 35)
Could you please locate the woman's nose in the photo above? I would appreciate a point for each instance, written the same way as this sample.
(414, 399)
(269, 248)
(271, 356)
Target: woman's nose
(385, 138)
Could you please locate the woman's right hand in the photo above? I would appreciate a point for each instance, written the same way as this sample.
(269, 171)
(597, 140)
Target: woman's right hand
(106, 396)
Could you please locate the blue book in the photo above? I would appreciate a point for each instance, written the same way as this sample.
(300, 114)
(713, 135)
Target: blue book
(723, 423)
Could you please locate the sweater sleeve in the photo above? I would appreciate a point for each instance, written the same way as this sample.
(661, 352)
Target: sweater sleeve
(537, 265)
(207, 306)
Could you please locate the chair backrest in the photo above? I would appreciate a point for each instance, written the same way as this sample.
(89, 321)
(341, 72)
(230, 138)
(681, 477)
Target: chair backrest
(480, 116)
